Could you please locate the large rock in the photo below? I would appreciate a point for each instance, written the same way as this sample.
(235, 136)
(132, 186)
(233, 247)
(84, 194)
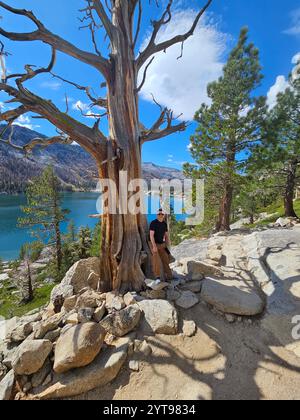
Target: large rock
(31, 356)
(6, 386)
(78, 346)
(187, 300)
(232, 297)
(197, 270)
(89, 299)
(160, 317)
(274, 257)
(100, 372)
(43, 327)
(20, 332)
(122, 322)
(77, 278)
(70, 303)
(191, 248)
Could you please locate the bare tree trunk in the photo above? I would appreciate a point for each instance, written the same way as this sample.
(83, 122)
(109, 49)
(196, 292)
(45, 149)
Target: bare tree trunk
(290, 191)
(58, 246)
(29, 283)
(124, 236)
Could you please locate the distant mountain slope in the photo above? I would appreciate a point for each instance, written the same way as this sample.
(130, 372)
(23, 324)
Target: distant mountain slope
(74, 167)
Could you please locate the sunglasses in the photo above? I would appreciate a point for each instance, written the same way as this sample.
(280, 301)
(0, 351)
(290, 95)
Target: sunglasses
(160, 214)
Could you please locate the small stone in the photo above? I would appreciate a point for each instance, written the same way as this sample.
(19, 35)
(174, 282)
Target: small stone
(154, 294)
(173, 295)
(129, 299)
(240, 319)
(99, 313)
(85, 315)
(134, 365)
(122, 322)
(137, 345)
(189, 328)
(114, 301)
(193, 286)
(146, 349)
(160, 317)
(152, 284)
(50, 324)
(72, 319)
(131, 348)
(230, 318)
(27, 387)
(69, 303)
(88, 299)
(93, 280)
(53, 335)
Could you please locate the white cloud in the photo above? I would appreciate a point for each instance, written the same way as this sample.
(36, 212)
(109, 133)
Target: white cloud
(25, 121)
(280, 85)
(182, 84)
(77, 106)
(294, 29)
(189, 147)
(85, 108)
(53, 85)
(296, 70)
(296, 58)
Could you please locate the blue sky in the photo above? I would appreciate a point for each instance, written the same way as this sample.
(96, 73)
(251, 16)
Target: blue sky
(274, 28)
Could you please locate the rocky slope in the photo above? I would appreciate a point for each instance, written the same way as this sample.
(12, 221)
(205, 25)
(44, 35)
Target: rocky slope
(73, 166)
(223, 329)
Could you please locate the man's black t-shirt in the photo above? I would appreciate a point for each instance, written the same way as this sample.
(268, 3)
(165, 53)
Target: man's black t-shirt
(160, 229)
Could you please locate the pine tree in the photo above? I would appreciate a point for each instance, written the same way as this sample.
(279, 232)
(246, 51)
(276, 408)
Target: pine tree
(43, 211)
(229, 126)
(279, 152)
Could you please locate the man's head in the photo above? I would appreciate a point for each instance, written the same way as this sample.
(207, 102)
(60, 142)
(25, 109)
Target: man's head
(160, 215)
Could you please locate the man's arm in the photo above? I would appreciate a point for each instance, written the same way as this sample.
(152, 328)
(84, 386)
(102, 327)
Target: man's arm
(152, 239)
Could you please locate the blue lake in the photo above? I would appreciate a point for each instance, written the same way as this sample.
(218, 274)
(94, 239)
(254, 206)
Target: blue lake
(81, 205)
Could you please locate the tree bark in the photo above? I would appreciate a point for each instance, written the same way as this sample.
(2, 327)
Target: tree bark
(223, 223)
(29, 283)
(124, 236)
(290, 190)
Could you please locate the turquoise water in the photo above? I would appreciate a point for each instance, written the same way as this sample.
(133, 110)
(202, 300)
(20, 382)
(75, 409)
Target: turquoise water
(81, 205)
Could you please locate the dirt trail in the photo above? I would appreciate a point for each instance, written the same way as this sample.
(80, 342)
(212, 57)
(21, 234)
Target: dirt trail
(222, 361)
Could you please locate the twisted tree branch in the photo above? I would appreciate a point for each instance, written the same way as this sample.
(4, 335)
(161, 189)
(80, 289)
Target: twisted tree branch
(153, 48)
(58, 43)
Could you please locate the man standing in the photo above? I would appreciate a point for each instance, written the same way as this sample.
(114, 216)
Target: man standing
(160, 242)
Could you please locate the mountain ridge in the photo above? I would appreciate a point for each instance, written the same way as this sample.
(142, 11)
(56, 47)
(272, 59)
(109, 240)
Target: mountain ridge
(74, 167)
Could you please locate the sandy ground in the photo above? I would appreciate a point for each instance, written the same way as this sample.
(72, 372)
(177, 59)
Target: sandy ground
(221, 362)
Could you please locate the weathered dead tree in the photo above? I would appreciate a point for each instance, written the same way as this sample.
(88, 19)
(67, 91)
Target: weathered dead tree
(125, 249)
